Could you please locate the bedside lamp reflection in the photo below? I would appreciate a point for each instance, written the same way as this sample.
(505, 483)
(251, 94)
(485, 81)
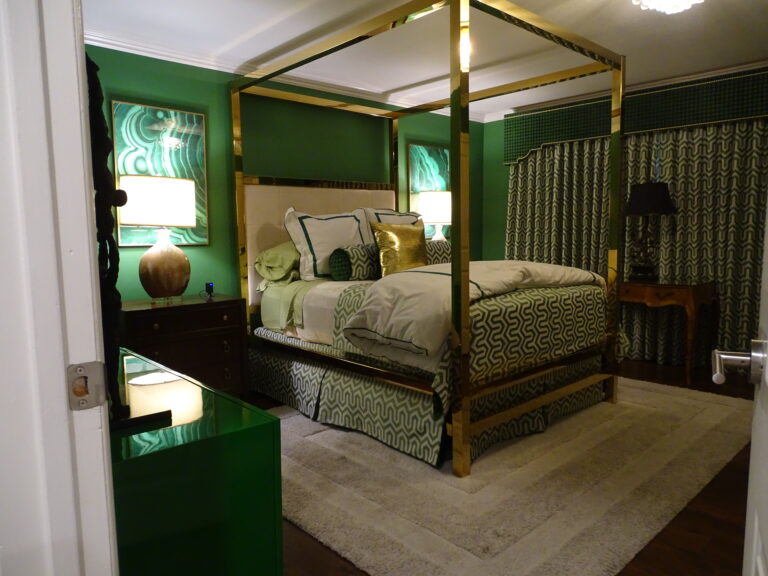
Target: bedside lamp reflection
(158, 391)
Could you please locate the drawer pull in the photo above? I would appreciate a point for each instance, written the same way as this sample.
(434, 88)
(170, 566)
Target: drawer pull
(227, 347)
(227, 374)
(225, 317)
(156, 326)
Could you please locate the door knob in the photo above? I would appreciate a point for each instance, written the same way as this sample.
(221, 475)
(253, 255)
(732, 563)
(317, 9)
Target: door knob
(755, 360)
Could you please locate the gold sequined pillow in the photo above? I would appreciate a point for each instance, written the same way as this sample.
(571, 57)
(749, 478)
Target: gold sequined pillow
(401, 246)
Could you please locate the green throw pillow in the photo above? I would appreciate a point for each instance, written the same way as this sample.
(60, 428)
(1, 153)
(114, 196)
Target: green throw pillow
(359, 262)
(276, 263)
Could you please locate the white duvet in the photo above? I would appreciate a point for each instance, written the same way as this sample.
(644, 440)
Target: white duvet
(406, 317)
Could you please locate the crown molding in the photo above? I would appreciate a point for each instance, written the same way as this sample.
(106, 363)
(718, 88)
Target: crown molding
(157, 52)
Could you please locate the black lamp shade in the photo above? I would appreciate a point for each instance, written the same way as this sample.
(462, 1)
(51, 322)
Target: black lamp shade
(649, 198)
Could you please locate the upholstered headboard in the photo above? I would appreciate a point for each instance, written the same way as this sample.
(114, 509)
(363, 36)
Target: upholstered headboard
(266, 204)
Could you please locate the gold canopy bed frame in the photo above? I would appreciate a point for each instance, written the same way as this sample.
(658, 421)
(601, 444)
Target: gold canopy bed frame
(460, 427)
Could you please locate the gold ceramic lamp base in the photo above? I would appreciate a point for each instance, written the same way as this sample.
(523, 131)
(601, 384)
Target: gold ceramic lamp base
(164, 268)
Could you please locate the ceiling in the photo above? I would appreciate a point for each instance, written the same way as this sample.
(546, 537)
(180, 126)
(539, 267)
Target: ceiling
(408, 65)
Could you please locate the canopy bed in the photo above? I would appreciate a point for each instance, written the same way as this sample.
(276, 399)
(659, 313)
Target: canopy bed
(473, 391)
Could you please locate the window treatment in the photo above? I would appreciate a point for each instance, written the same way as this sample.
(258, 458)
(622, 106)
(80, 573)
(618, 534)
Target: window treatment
(718, 178)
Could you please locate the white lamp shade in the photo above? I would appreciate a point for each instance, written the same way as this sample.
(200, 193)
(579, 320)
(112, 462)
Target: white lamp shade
(435, 207)
(156, 392)
(158, 201)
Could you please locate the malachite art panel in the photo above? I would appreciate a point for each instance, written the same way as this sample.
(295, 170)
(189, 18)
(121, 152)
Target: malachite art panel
(154, 141)
(428, 168)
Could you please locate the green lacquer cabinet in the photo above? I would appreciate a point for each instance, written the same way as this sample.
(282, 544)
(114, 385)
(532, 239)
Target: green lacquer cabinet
(197, 492)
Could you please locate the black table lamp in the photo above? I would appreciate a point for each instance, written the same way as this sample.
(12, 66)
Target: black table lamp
(645, 201)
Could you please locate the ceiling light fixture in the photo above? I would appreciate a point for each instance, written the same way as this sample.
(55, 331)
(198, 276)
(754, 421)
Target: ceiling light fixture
(666, 6)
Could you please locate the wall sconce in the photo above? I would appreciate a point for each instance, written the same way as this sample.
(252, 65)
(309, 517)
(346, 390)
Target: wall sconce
(646, 201)
(159, 201)
(435, 209)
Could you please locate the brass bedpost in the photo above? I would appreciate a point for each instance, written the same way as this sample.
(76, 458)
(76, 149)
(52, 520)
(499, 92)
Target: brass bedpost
(237, 153)
(615, 225)
(459, 41)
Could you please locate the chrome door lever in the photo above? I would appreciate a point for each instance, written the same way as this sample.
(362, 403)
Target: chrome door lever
(724, 361)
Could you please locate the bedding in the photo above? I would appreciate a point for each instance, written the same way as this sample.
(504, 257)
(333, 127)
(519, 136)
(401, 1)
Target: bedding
(283, 304)
(389, 216)
(316, 236)
(359, 262)
(401, 246)
(317, 300)
(562, 316)
(392, 319)
(278, 264)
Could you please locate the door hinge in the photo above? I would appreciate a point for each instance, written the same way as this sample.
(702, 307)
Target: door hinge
(86, 383)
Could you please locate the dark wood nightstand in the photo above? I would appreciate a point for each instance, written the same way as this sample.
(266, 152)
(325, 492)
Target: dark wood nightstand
(204, 339)
(688, 296)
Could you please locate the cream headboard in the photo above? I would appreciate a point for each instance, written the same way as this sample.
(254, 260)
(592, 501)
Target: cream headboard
(265, 207)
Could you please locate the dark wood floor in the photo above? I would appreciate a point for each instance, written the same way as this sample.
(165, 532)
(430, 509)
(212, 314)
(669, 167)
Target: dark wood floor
(705, 539)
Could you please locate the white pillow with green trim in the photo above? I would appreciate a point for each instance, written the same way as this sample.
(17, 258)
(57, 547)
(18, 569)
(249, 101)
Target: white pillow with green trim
(316, 236)
(389, 216)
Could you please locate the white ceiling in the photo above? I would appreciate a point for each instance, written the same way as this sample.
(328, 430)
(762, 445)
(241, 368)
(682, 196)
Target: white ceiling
(409, 65)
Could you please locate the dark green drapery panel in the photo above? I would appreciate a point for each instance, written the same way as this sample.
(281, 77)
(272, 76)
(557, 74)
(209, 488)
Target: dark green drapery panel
(558, 206)
(718, 178)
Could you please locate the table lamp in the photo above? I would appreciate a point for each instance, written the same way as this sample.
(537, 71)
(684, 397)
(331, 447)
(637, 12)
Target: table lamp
(156, 392)
(435, 210)
(157, 201)
(646, 201)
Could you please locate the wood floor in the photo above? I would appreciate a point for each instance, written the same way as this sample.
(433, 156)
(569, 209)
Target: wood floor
(705, 539)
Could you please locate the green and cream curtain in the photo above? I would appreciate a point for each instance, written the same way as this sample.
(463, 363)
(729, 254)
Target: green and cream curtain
(558, 205)
(718, 177)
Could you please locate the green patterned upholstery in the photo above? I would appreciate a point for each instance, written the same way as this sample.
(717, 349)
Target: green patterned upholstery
(359, 262)
(438, 252)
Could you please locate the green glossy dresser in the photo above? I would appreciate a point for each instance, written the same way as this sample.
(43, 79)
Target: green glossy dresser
(197, 491)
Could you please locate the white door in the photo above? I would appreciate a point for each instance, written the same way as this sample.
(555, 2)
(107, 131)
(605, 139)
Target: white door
(756, 535)
(56, 513)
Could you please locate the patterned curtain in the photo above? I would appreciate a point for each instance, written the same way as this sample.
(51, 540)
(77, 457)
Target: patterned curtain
(718, 178)
(557, 208)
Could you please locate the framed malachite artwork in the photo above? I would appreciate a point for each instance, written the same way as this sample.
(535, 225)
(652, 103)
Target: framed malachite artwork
(428, 168)
(159, 156)
(429, 182)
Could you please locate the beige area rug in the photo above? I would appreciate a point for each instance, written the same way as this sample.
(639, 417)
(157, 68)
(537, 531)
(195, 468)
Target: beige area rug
(580, 499)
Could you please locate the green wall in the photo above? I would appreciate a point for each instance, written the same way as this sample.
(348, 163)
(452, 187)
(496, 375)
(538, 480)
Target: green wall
(150, 81)
(292, 140)
(495, 188)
